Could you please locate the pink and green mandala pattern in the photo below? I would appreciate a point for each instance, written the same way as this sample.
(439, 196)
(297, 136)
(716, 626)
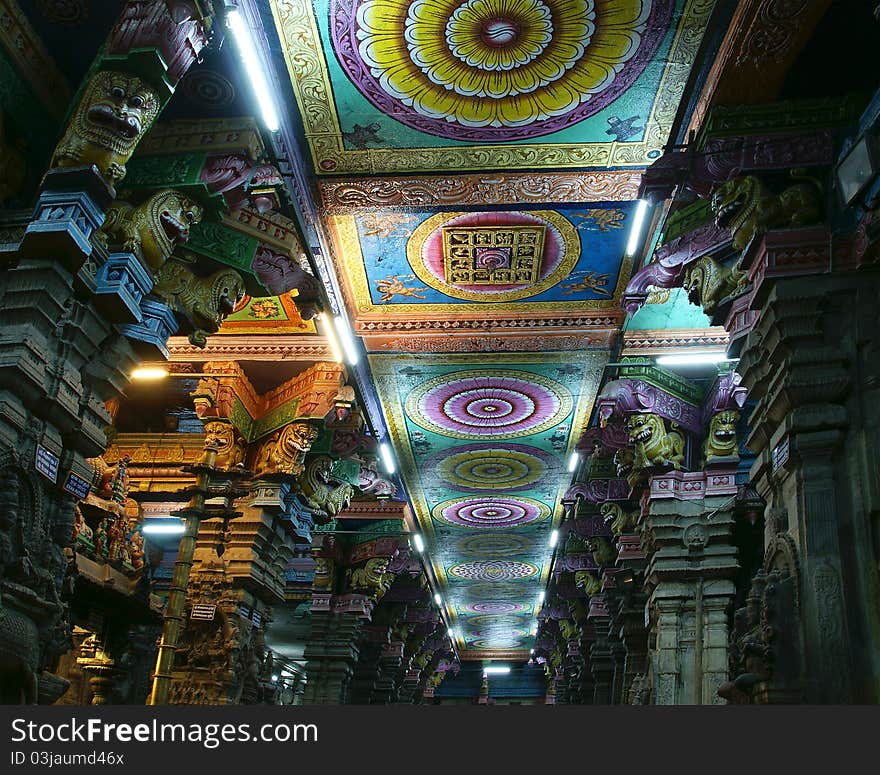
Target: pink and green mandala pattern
(503, 405)
(495, 70)
(498, 512)
(494, 570)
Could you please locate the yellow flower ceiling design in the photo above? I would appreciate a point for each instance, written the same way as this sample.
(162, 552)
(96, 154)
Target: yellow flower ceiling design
(526, 60)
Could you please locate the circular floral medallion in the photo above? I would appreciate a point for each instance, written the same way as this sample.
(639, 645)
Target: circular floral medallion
(495, 545)
(480, 467)
(493, 622)
(490, 512)
(494, 570)
(495, 70)
(476, 404)
(496, 642)
(492, 590)
(560, 250)
(495, 607)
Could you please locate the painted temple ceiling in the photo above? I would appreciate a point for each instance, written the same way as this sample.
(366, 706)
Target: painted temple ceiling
(478, 165)
(402, 85)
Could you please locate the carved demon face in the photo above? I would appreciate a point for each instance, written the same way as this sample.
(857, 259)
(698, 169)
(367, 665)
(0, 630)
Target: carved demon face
(224, 435)
(623, 461)
(693, 283)
(298, 438)
(729, 202)
(643, 428)
(587, 581)
(722, 433)
(227, 289)
(116, 109)
(610, 511)
(169, 216)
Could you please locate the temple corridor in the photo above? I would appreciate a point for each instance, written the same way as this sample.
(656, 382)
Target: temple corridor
(439, 352)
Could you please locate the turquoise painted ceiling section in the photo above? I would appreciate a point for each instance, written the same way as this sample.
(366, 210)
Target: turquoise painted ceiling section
(483, 441)
(581, 252)
(429, 72)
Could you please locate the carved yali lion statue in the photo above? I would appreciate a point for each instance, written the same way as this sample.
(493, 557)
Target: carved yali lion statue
(569, 630)
(285, 451)
(372, 578)
(603, 552)
(151, 230)
(586, 580)
(652, 444)
(707, 283)
(721, 440)
(620, 521)
(745, 207)
(114, 113)
(204, 302)
(230, 445)
(316, 490)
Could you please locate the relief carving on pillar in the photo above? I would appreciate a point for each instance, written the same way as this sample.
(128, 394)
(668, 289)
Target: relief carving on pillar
(654, 444)
(202, 302)
(321, 492)
(231, 445)
(746, 207)
(151, 230)
(284, 452)
(115, 111)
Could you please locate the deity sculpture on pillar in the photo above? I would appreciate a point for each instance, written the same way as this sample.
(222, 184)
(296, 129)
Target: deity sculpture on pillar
(115, 111)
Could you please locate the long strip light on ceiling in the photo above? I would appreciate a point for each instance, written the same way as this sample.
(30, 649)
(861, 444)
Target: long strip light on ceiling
(689, 359)
(573, 461)
(437, 599)
(347, 340)
(496, 670)
(248, 52)
(420, 544)
(635, 232)
(166, 526)
(542, 596)
(387, 457)
(554, 538)
(330, 332)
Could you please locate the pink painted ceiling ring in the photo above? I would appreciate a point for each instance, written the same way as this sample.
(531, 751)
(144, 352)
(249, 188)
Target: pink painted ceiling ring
(502, 512)
(492, 70)
(493, 570)
(474, 404)
(495, 607)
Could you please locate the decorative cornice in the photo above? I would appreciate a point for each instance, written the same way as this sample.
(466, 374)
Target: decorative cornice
(456, 190)
(31, 59)
(663, 341)
(471, 655)
(254, 347)
(507, 343)
(602, 319)
(204, 135)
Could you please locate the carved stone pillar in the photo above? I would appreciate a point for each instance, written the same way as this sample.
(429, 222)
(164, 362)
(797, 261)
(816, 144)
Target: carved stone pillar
(687, 534)
(332, 652)
(812, 364)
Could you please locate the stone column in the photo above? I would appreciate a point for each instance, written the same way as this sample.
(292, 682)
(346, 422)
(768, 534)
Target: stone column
(688, 527)
(811, 362)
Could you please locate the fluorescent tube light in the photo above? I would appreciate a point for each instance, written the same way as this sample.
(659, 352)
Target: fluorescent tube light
(248, 52)
(573, 462)
(554, 538)
(387, 457)
(167, 527)
(420, 544)
(437, 599)
(330, 332)
(686, 359)
(347, 340)
(149, 373)
(635, 232)
(542, 596)
(496, 670)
